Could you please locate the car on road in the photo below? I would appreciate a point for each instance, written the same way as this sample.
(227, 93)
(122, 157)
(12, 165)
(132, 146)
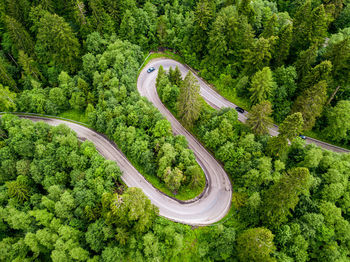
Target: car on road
(302, 137)
(151, 69)
(239, 109)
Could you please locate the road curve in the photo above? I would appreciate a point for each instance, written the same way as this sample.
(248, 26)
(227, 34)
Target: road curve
(213, 204)
(209, 94)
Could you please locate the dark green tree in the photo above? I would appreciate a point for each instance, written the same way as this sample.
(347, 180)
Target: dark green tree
(310, 103)
(283, 196)
(189, 103)
(56, 42)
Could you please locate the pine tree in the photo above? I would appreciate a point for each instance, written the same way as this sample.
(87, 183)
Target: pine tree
(29, 66)
(247, 10)
(291, 126)
(189, 104)
(319, 26)
(283, 44)
(310, 103)
(259, 118)
(175, 76)
(320, 72)
(19, 35)
(270, 28)
(259, 55)
(283, 196)
(302, 26)
(261, 85)
(305, 61)
(5, 77)
(56, 42)
(339, 54)
(19, 10)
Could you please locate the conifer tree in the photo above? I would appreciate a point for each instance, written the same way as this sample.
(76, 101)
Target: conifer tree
(5, 77)
(259, 55)
(247, 10)
(270, 28)
(189, 104)
(261, 85)
(305, 61)
(319, 26)
(291, 126)
(310, 103)
(283, 44)
(29, 65)
(283, 196)
(302, 26)
(259, 118)
(19, 35)
(56, 42)
(320, 72)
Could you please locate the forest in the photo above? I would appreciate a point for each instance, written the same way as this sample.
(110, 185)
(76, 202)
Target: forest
(286, 62)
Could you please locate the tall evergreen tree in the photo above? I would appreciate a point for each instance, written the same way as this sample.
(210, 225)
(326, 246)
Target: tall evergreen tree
(19, 10)
(283, 44)
(29, 66)
(302, 26)
(320, 72)
(245, 8)
(283, 196)
(310, 103)
(339, 54)
(259, 118)
(259, 55)
(56, 42)
(319, 25)
(270, 28)
(5, 77)
(19, 35)
(189, 104)
(261, 85)
(203, 16)
(291, 126)
(305, 61)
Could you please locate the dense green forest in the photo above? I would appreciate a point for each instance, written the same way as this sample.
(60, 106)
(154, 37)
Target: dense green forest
(288, 62)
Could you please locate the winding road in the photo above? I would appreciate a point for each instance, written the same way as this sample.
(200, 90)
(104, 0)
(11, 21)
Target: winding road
(209, 94)
(214, 203)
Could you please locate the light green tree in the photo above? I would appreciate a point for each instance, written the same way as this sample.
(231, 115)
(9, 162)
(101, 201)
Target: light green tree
(259, 118)
(256, 244)
(261, 85)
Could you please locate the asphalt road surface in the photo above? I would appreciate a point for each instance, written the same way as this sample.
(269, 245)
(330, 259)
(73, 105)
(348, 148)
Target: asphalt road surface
(147, 80)
(210, 207)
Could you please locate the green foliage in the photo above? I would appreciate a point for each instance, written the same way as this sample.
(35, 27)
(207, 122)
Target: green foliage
(189, 104)
(283, 196)
(339, 122)
(310, 103)
(261, 85)
(259, 118)
(255, 244)
(56, 42)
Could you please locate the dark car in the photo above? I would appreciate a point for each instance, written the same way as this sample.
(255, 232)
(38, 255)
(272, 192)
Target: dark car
(239, 109)
(302, 137)
(151, 69)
